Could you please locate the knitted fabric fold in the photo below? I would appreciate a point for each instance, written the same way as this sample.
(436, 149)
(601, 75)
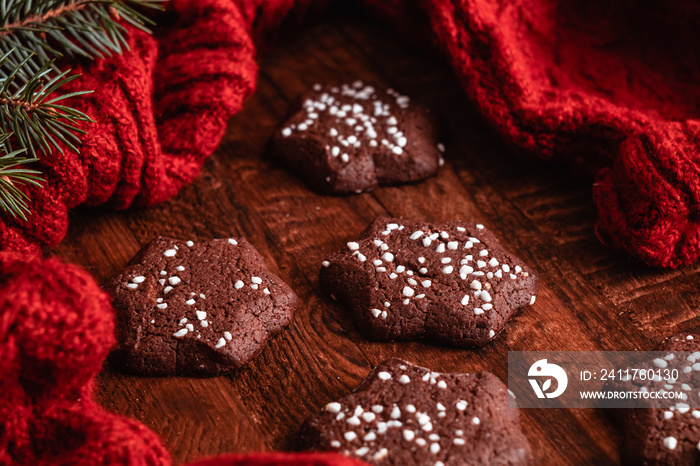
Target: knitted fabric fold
(607, 88)
(56, 328)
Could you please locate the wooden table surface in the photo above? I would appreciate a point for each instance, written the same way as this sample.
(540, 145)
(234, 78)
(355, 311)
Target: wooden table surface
(591, 298)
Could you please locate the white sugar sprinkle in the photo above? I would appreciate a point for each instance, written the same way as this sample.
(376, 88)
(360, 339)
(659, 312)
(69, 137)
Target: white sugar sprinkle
(180, 333)
(170, 253)
(670, 443)
(175, 280)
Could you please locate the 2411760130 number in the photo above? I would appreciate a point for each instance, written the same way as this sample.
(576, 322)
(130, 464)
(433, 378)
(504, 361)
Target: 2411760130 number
(639, 374)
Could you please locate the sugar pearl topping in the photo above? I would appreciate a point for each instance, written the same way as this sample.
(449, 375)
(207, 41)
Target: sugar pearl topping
(191, 301)
(364, 430)
(359, 115)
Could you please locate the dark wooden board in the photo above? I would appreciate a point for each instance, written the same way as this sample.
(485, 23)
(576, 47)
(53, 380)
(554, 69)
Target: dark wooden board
(591, 298)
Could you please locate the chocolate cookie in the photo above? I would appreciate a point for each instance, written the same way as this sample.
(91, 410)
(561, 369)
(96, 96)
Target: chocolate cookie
(452, 282)
(205, 308)
(668, 436)
(408, 415)
(353, 138)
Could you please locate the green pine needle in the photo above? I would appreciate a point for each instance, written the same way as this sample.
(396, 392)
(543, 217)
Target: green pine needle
(34, 118)
(13, 174)
(88, 28)
(33, 114)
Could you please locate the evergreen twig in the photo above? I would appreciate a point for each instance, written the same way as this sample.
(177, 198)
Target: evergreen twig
(13, 174)
(34, 117)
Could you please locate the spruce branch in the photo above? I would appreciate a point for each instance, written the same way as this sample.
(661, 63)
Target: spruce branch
(32, 112)
(87, 28)
(34, 117)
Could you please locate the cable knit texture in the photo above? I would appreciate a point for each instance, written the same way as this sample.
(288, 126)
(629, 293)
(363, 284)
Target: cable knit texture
(604, 87)
(56, 327)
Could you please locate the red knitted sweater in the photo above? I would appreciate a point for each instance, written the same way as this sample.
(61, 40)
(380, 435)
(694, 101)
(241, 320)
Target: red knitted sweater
(580, 82)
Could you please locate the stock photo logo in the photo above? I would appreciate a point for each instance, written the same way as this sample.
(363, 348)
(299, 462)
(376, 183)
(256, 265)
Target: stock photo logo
(542, 370)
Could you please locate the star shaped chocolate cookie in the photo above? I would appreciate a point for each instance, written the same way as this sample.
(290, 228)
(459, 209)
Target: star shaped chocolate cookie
(353, 138)
(196, 308)
(406, 414)
(451, 282)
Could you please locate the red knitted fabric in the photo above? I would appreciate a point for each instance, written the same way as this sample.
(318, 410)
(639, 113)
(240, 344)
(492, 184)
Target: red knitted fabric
(160, 110)
(56, 327)
(607, 87)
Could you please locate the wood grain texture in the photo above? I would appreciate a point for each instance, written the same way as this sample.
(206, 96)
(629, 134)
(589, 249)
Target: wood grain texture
(591, 298)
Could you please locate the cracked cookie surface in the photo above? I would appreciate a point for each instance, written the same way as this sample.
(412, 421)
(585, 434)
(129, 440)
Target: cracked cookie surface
(451, 282)
(403, 414)
(196, 308)
(354, 138)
